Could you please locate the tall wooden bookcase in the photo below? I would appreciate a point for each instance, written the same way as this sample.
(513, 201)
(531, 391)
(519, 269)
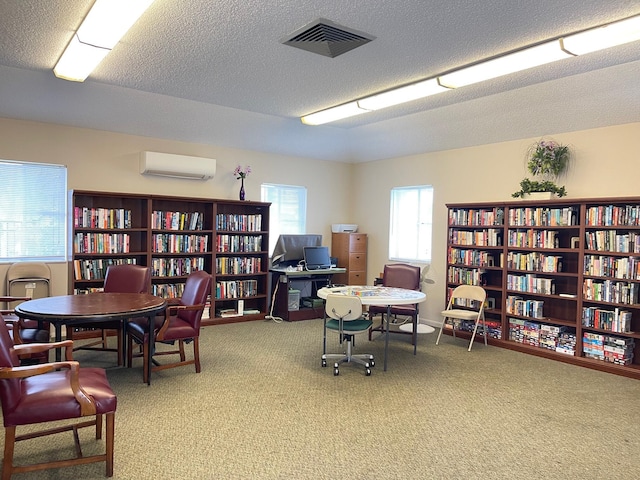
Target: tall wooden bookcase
(562, 277)
(175, 236)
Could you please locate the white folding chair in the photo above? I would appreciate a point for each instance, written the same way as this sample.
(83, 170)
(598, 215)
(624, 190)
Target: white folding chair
(472, 297)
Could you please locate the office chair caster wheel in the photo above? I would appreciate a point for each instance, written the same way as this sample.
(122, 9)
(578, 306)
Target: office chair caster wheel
(336, 372)
(324, 362)
(372, 363)
(367, 372)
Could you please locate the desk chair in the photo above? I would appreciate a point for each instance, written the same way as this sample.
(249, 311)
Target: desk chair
(399, 275)
(124, 278)
(345, 319)
(52, 392)
(470, 296)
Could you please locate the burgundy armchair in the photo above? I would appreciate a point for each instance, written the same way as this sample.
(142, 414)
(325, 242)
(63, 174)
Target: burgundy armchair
(52, 392)
(26, 331)
(399, 275)
(125, 278)
(180, 322)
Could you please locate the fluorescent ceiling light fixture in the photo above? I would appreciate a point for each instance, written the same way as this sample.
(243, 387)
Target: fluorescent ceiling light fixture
(511, 63)
(400, 95)
(332, 114)
(100, 31)
(617, 33)
(598, 38)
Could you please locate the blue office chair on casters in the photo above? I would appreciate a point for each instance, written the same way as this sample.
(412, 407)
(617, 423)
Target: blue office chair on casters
(343, 315)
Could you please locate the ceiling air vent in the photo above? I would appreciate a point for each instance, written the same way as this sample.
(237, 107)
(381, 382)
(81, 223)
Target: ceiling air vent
(327, 38)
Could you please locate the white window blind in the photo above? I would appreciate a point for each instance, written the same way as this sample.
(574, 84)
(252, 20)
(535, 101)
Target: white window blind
(411, 224)
(33, 212)
(288, 213)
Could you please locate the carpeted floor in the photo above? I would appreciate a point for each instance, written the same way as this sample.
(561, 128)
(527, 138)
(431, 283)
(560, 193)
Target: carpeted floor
(263, 408)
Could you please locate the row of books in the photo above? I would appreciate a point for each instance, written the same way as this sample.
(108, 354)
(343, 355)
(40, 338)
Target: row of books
(236, 289)
(613, 320)
(476, 217)
(543, 216)
(238, 243)
(476, 258)
(168, 290)
(531, 283)
(613, 215)
(494, 327)
(233, 222)
(176, 267)
(534, 261)
(608, 348)
(489, 237)
(465, 276)
(101, 243)
(516, 305)
(87, 217)
(172, 243)
(557, 338)
(96, 269)
(601, 266)
(161, 220)
(533, 238)
(610, 291)
(612, 241)
(238, 265)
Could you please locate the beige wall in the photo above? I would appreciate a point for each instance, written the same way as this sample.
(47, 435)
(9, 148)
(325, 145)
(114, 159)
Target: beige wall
(105, 161)
(605, 164)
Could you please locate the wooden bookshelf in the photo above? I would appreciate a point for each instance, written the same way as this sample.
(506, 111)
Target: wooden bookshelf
(174, 236)
(562, 277)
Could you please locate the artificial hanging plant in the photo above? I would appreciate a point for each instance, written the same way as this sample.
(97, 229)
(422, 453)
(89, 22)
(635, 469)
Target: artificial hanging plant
(547, 160)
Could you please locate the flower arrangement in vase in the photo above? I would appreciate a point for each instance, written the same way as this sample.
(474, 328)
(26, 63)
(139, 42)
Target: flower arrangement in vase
(241, 173)
(547, 160)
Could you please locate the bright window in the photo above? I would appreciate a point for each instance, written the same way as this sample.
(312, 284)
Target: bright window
(33, 212)
(288, 213)
(410, 227)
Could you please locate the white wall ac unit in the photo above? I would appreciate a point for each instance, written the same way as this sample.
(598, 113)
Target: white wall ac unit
(177, 166)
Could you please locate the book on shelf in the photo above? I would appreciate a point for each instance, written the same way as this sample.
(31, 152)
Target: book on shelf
(228, 312)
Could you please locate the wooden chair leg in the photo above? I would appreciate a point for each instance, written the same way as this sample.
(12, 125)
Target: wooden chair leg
(109, 446)
(98, 427)
(181, 350)
(196, 354)
(9, 444)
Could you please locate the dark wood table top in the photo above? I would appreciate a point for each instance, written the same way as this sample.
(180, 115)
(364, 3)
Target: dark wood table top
(93, 306)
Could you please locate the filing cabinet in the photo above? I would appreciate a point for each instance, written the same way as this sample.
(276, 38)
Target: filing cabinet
(351, 251)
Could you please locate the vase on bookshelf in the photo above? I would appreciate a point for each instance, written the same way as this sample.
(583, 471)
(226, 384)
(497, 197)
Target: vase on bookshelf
(242, 189)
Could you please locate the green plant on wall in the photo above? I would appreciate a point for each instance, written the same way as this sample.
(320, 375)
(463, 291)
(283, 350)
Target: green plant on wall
(547, 160)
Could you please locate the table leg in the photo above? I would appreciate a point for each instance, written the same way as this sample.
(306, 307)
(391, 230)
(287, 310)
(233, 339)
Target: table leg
(58, 338)
(386, 337)
(151, 325)
(415, 333)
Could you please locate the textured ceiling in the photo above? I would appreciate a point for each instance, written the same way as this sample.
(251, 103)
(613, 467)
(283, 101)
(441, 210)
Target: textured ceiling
(217, 73)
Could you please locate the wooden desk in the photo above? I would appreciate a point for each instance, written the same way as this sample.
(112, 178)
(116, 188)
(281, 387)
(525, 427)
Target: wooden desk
(380, 296)
(93, 307)
(281, 280)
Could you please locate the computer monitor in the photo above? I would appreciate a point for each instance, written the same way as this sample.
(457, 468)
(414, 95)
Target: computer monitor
(316, 258)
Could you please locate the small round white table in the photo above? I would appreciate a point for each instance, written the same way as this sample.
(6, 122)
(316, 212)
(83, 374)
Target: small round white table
(380, 296)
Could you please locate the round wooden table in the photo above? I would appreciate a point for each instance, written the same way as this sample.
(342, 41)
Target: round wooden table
(98, 307)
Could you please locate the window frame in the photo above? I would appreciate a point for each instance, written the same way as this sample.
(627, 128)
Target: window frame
(423, 227)
(34, 212)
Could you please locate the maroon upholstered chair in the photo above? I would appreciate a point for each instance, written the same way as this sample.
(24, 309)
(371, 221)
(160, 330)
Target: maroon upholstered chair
(180, 322)
(125, 278)
(399, 275)
(26, 331)
(52, 392)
